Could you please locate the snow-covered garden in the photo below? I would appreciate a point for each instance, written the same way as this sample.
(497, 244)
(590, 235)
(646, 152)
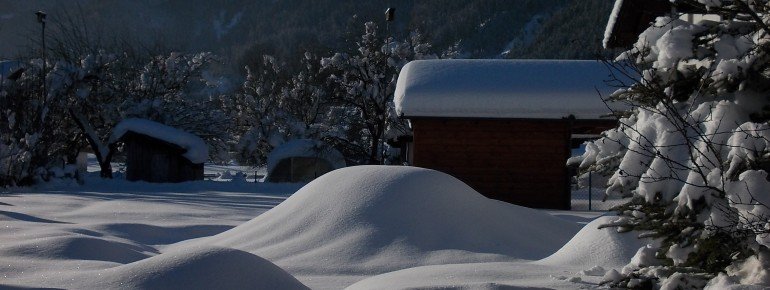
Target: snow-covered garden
(687, 167)
(380, 227)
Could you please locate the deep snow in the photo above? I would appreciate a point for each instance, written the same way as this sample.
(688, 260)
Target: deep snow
(196, 268)
(380, 226)
(598, 247)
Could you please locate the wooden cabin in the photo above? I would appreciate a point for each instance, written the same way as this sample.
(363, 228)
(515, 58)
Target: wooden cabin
(159, 153)
(504, 127)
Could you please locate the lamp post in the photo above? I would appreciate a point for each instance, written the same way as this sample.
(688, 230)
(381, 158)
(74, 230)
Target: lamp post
(390, 13)
(41, 19)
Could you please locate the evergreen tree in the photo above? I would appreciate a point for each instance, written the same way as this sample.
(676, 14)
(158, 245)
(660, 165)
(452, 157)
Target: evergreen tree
(693, 149)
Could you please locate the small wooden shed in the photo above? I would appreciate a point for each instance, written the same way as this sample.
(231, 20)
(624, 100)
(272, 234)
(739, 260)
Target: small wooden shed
(159, 153)
(504, 127)
(302, 160)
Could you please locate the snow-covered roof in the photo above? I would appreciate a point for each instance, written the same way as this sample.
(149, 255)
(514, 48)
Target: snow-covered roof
(197, 151)
(541, 89)
(304, 148)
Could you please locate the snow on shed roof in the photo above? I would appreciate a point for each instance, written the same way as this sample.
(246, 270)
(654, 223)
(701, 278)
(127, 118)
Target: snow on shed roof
(197, 151)
(542, 89)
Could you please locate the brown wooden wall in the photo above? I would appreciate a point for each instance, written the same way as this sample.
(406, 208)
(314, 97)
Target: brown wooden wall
(517, 161)
(152, 160)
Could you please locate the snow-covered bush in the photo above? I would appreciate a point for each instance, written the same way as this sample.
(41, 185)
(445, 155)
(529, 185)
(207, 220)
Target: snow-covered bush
(345, 100)
(102, 89)
(83, 101)
(34, 130)
(257, 118)
(364, 81)
(694, 150)
(163, 92)
(274, 108)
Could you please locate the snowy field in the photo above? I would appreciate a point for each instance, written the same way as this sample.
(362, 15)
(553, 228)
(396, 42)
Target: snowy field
(367, 227)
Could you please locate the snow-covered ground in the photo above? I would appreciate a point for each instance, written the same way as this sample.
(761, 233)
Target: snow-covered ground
(365, 227)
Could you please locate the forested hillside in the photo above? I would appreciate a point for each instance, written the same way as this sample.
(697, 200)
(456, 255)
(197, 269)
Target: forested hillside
(241, 31)
(572, 32)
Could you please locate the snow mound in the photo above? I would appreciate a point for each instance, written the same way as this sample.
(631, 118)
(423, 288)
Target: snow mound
(511, 275)
(199, 268)
(375, 219)
(78, 248)
(160, 235)
(593, 246)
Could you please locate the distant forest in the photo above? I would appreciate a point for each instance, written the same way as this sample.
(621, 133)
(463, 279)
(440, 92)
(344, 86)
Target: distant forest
(240, 31)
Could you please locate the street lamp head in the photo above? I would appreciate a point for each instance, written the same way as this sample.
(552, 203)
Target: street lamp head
(40, 16)
(390, 13)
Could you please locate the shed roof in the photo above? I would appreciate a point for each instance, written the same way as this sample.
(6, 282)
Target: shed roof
(196, 148)
(539, 89)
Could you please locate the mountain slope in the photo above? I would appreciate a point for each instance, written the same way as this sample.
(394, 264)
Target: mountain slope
(239, 30)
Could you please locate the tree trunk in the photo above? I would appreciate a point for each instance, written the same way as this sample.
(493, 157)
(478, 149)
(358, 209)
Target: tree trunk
(104, 158)
(105, 169)
(374, 147)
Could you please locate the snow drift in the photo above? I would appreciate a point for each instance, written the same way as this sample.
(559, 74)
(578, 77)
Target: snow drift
(375, 219)
(589, 248)
(198, 268)
(510, 275)
(76, 248)
(593, 246)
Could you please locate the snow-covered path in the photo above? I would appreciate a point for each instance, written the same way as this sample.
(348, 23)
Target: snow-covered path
(329, 235)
